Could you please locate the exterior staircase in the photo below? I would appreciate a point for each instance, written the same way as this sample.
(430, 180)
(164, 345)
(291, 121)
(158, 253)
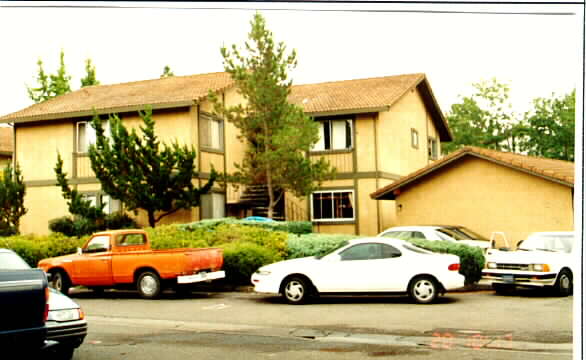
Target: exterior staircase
(256, 198)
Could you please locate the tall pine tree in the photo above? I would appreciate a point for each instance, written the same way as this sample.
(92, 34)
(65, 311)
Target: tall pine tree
(278, 134)
(12, 191)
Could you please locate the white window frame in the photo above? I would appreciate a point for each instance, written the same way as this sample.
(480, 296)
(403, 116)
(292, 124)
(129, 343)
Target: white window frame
(97, 198)
(334, 219)
(432, 145)
(414, 139)
(332, 124)
(82, 147)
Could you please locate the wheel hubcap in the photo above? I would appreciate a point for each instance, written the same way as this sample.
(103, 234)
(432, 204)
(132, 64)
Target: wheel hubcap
(424, 290)
(148, 285)
(294, 291)
(57, 282)
(565, 282)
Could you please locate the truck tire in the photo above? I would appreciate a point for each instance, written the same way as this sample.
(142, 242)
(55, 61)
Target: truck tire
(148, 285)
(563, 285)
(60, 281)
(424, 289)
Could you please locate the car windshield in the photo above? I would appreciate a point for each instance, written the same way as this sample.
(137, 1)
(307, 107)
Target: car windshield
(11, 261)
(416, 249)
(553, 242)
(328, 252)
(461, 233)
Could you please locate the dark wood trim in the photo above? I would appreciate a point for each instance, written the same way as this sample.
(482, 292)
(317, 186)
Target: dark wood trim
(211, 151)
(355, 173)
(333, 222)
(332, 152)
(346, 112)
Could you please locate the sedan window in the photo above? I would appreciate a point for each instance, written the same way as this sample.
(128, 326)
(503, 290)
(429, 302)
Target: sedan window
(370, 251)
(11, 261)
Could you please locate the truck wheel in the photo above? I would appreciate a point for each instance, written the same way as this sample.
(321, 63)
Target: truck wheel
(295, 290)
(423, 289)
(148, 285)
(60, 281)
(563, 285)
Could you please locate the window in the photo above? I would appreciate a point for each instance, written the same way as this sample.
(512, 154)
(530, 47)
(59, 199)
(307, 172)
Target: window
(110, 205)
(414, 139)
(211, 132)
(130, 239)
(98, 243)
(213, 206)
(334, 135)
(432, 148)
(371, 251)
(86, 135)
(332, 205)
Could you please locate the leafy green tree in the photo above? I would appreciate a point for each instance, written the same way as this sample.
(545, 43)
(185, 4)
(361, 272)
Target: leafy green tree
(144, 173)
(12, 191)
(76, 202)
(90, 76)
(50, 85)
(278, 133)
(550, 127)
(484, 119)
(167, 72)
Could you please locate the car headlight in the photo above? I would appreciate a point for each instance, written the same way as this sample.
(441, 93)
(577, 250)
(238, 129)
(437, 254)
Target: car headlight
(540, 267)
(491, 265)
(65, 315)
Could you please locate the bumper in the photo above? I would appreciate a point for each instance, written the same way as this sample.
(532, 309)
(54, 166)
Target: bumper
(265, 284)
(453, 282)
(530, 279)
(203, 276)
(70, 333)
(31, 338)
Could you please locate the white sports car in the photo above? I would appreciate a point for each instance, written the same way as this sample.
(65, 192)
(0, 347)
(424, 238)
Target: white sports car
(368, 265)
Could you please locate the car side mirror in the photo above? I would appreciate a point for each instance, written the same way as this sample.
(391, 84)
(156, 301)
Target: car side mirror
(79, 251)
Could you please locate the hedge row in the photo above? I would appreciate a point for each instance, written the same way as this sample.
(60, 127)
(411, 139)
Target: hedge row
(293, 227)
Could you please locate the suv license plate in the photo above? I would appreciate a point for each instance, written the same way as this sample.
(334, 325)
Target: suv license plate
(508, 279)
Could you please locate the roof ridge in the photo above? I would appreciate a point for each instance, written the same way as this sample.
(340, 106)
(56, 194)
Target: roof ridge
(480, 149)
(168, 78)
(361, 79)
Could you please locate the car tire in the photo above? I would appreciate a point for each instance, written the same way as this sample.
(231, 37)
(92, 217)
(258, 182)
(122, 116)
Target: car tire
(503, 289)
(60, 281)
(423, 289)
(564, 283)
(148, 285)
(296, 290)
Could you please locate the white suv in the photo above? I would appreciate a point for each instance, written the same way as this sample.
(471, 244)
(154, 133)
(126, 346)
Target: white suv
(544, 259)
(452, 233)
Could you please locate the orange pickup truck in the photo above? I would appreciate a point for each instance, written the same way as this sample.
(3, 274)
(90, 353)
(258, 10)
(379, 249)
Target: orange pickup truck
(124, 259)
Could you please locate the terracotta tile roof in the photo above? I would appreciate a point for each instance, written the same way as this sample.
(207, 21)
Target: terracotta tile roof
(172, 91)
(558, 171)
(366, 95)
(349, 96)
(6, 140)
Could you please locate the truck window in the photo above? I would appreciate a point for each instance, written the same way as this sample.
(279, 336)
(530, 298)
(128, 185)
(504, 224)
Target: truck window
(130, 239)
(98, 243)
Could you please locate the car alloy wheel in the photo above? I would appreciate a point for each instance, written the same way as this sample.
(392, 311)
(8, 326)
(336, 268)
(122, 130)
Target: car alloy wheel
(60, 282)
(423, 290)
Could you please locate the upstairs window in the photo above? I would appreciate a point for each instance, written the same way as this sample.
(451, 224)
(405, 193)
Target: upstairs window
(334, 135)
(86, 135)
(432, 148)
(414, 139)
(211, 131)
(332, 205)
(110, 205)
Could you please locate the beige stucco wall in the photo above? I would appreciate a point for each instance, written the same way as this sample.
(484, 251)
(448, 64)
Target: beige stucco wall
(43, 204)
(487, 197)
(365, 143)
(396, 155)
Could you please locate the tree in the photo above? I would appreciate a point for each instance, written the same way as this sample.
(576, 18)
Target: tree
(90, 77)
(278, 134)
(144, 173)
(50, 85)
(484, 119)
(167, 72)
(12, 191)
(550, 127)
(76, 202)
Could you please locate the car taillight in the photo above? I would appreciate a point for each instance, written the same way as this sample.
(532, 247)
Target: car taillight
(46, 314)
(454, 267)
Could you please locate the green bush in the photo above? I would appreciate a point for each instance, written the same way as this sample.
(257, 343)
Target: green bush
(242, 259)
(294, 227)
(119, 220)
(80, 226)
(35, 248)
(471, 258)
(63, 225)
(314, 244)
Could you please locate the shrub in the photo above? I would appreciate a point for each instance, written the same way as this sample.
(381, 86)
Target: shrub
(35, 248)
(242, 259)
(63, 225)
(314, 244)
(119, 220)
(294, 227)
(471, 258)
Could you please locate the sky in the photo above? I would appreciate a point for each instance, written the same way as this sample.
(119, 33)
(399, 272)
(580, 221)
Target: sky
(536, 49)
